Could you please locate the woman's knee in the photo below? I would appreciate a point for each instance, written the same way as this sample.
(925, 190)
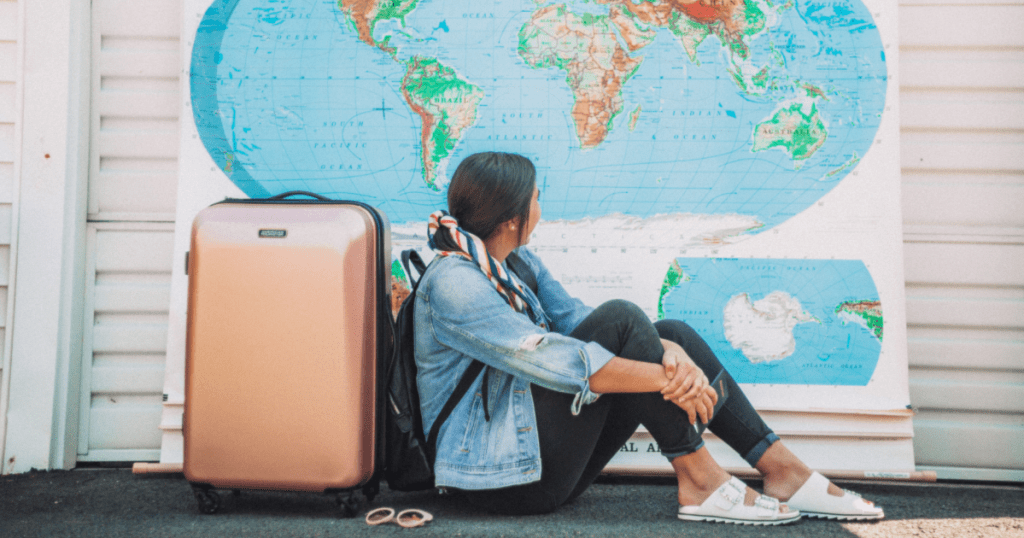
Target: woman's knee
(681, 333)
(675, 330)
(621, 309)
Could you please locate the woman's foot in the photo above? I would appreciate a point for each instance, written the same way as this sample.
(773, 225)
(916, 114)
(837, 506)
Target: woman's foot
(787, 478)
(815, 499)
(728, 504)
(784, 473)
(700, 476)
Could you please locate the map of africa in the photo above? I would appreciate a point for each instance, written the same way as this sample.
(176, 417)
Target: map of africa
(635, 107)
(802, 322)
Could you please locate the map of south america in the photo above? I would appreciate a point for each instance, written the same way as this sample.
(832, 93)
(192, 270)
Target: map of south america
(446, 105)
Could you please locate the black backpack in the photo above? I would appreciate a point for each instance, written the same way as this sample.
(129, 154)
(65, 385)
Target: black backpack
(409, 455)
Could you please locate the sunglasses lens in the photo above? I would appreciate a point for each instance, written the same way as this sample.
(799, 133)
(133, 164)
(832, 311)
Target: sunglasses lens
(413, 518)
(380, 515)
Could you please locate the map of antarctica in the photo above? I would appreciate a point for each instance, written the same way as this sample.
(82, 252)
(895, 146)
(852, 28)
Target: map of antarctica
(797, 322)
(753, 108)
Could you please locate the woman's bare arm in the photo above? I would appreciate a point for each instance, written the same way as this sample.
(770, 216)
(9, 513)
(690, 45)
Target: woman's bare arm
(624, 375)
(621, 375)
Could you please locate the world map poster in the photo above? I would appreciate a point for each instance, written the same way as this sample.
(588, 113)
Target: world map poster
(731, 163)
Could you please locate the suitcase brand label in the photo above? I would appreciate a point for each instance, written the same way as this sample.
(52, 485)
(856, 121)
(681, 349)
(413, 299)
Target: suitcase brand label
(273, 233)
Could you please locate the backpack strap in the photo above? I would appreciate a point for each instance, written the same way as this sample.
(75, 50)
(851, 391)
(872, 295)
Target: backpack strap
(460, 390)
(522, 270)
(412, 257)
(412, 260)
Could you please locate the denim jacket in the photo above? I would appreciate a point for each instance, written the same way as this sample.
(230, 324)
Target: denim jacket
(460, 317)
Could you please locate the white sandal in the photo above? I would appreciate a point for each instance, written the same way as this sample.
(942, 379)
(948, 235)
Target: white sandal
(814, 500)
(725, 505)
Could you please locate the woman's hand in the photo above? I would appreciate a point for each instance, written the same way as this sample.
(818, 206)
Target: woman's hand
(702, 407)
(686, 380)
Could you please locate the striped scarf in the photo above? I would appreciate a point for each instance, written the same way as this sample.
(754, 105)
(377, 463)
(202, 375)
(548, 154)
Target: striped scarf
(472, 248)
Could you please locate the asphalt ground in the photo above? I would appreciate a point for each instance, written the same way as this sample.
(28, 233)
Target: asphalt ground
(115, 503)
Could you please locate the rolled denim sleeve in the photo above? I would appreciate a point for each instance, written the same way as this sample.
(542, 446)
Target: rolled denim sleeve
(468, 315)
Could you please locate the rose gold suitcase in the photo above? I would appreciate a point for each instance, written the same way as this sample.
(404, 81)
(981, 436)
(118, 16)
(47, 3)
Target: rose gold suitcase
(288, 330)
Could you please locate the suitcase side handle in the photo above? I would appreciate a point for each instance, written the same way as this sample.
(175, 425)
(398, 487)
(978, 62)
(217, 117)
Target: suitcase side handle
(288, 194)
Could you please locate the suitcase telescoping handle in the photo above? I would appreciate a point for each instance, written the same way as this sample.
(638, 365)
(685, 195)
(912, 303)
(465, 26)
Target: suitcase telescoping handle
(288, 194)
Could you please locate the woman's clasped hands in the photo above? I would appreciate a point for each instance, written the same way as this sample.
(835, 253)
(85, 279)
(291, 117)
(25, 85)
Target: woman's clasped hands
(687, 386)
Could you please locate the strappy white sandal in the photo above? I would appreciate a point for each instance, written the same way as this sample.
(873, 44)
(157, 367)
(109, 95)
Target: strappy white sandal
(725, 505)
(814, 500)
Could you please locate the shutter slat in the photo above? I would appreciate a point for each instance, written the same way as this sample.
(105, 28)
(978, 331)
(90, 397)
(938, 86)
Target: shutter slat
(147, 379)
(132, 298)
(126, 426)
(977, 205)
(7, 112)
(144, 18)
(139, 63)
(961, 69)
(126, 192)
(144, 105)
(138, 144)
(949, 110)
(8, 21)
(964, 264)
(962, 151)
(962, 26)
(966, 396)
(135, 251)
(129, 338)
(971, 443)
(8, 61)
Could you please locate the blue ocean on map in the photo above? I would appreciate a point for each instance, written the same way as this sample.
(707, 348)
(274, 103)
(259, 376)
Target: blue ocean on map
(286, 96)
(831, 348)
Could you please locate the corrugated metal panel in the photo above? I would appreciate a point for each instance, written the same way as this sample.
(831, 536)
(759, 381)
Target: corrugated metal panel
(132, 196)
(962, 101)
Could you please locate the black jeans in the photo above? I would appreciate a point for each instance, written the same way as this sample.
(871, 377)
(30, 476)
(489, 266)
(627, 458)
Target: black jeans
(574, 449)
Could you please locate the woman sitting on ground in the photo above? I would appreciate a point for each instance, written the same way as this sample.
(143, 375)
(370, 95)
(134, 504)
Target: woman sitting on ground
(532, 433)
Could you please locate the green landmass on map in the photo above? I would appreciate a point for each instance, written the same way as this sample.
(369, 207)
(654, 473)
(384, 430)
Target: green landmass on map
(398, 272)
(596, 66)
(634, 116)
(868, 311)
(793, 130)
(690, 34)
(364, 15)
(447, 105)
(673, 278)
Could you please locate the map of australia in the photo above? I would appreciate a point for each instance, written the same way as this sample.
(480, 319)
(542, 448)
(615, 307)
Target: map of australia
(797, 322)
(742, 109)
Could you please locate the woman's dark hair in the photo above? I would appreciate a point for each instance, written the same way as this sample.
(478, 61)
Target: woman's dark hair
(488, 189)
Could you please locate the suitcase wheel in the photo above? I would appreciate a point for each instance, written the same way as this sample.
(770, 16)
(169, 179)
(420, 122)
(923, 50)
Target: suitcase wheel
(371, 490)
(348, 503)
(208, 500)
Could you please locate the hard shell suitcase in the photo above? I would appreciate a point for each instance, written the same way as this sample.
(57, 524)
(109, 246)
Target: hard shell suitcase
(288, 336)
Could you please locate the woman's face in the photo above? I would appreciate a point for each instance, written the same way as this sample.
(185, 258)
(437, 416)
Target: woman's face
(534, 215)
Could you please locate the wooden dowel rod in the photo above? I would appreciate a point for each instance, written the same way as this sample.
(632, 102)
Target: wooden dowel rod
(153, 468)
(897, 476)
